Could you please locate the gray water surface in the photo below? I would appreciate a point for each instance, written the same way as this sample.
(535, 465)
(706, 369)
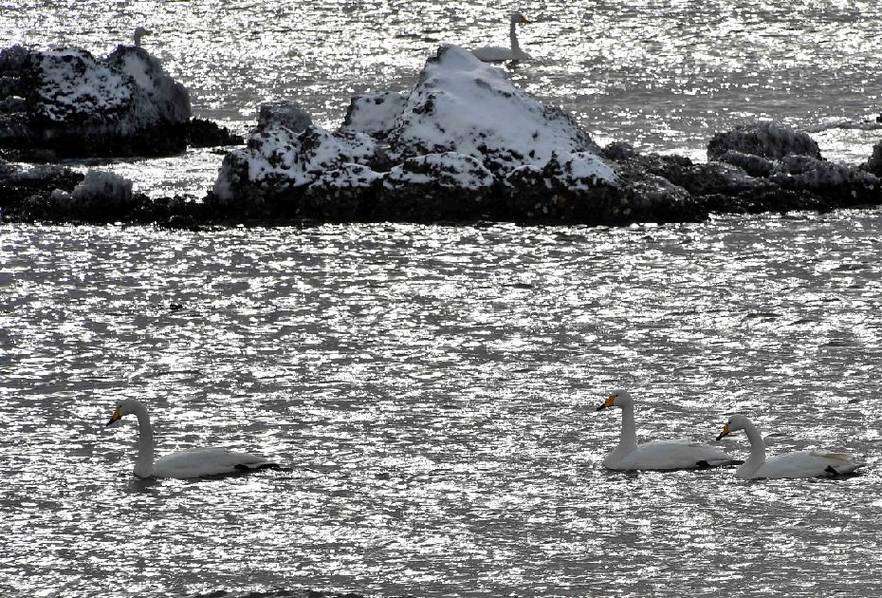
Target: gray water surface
(433, 390)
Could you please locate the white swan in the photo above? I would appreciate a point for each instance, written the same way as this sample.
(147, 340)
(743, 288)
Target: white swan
(139, 33)
(657, 455)
(192, 463)
(500, 54)
(800, 464)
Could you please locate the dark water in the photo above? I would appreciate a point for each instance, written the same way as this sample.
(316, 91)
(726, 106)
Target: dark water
(433, 389)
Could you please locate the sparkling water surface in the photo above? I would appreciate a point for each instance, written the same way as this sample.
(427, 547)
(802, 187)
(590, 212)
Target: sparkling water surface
(432, 390)
(664, 75)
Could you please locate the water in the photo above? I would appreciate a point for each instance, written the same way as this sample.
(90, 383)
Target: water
(432, 388)
(664, 75)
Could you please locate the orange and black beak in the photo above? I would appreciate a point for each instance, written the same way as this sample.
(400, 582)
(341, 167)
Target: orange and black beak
(726, 431)
(609, 402)
(114, 417)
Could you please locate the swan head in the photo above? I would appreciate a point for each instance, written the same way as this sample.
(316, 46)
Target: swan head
(735, 423)
(122, 409)
(518, 19)
(616, 398)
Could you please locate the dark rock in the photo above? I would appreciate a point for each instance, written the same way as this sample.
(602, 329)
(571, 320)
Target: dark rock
(290, 115)
(755, 166)
(767, 139)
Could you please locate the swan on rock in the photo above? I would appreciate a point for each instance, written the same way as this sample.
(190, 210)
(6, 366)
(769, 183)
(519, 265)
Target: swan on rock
(191, 463)
(139, 33)
(799, 464)
(500, 54)
(659, 454)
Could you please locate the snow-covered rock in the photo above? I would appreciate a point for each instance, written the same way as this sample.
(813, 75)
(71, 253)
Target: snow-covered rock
(103, 188)
(278, 160)
(874, 164)
(463, 105)
(767, 139)
(374, 113)
(448, 170)
(69, 101)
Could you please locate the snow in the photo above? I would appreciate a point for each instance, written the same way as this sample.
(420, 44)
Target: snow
(348, 176)
(74, 83)
(276, 156)
(464, 105)
(374, 113)
(450, 169)
(103, 187)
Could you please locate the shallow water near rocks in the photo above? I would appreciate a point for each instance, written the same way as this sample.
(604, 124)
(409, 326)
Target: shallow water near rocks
(433, 391)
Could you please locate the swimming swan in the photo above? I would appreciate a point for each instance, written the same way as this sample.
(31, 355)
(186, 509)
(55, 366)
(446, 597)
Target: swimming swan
(191, 463)
(500, 54)
(660, 454)
(800, 464)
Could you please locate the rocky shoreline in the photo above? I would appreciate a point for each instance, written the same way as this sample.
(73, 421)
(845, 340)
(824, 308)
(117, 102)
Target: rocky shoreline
(463, 145)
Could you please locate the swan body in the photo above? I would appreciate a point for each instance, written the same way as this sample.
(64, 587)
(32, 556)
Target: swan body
(657, 455)
(799, 464)
(191, 463)
(501, 54)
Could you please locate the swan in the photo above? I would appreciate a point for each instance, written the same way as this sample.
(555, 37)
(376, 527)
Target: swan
(656, 455)
(138, 34)
(191, 463)
(500, 54)
(800, 464)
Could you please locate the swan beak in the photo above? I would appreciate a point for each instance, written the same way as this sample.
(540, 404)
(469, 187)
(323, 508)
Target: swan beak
(609, 402)
(114, 417)
(726, 431)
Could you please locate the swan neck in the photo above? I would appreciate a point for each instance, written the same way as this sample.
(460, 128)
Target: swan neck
(144, 464)
(515, 46)
(757, 446)
(628, 438)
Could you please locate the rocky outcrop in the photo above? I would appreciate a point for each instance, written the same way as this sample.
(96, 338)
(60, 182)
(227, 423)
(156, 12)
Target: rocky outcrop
(767, 139)
(68, 103)
(463, 145)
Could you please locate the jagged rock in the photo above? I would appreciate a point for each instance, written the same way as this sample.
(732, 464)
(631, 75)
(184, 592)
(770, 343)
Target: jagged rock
(288, 114)
(767, 139)
(374, 113)
(205, 133)
(755, 166)
(446, 186)
(463, 105)
(67, 103)
(805, 172)
(277, 161)
(343, 194)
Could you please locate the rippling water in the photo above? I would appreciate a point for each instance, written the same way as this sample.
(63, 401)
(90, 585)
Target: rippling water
(433, 390)
(664, 75)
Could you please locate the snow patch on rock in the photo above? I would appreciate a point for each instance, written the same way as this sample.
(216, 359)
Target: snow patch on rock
(449, 169)
(103, 187)
(463, 105)
(374, 113)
